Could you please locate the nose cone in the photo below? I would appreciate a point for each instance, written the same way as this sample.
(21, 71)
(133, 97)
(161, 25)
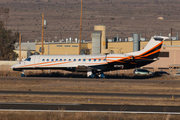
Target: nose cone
(13, 66)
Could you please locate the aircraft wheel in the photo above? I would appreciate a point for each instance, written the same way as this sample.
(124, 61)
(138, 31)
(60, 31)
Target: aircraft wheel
(102, 75)
(22, 75)
(92, 76)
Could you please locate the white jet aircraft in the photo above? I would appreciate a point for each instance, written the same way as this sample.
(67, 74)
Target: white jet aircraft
(94, 64)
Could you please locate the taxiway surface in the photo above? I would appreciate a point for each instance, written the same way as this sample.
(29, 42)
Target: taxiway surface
(92, 80)
(93, 94)
(87, 107)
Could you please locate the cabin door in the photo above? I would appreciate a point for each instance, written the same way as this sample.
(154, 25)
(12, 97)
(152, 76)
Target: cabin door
(36, 61)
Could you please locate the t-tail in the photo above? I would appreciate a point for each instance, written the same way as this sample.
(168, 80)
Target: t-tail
(151, 50)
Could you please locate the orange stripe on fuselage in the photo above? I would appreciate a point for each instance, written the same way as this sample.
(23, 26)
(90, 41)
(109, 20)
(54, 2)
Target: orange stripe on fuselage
(96, 63)
(55, 64)
(141, 55)
(33, 64)
(152, 48)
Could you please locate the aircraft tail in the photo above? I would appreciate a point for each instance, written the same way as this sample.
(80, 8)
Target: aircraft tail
(151, 50)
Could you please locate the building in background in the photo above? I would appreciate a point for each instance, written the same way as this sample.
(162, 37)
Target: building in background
(169, 54)
(25, 48)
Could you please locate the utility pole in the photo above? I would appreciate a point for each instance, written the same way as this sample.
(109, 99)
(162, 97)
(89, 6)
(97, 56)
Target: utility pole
(19, 47)
(80, 30)
(42, 48)
(171, 36)
(145, 34)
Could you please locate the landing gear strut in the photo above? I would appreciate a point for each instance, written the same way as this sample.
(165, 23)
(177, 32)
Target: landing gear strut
(91, 73)
(23, 74)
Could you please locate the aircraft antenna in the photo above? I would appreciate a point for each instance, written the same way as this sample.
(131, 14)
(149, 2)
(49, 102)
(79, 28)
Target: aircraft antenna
(171, 36)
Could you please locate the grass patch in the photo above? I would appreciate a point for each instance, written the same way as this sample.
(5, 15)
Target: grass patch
(88, 99)
(82, 116)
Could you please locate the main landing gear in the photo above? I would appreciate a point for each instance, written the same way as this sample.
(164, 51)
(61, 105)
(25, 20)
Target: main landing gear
(102, 75)
(92, 74)
(23, 74)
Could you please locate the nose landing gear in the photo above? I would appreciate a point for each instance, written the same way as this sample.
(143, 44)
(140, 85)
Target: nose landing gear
(23, 74)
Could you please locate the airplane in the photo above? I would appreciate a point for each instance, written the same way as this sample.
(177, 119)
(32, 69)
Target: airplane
(94, 64)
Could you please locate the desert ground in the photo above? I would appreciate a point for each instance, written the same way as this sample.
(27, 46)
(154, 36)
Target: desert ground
(120, 17)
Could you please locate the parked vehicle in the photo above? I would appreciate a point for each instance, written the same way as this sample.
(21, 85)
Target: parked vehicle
(161, 73)
(142, 72)
(177, 74)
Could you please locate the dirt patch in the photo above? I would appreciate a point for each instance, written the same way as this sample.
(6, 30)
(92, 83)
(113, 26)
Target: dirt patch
(122, 17)
(78, 86)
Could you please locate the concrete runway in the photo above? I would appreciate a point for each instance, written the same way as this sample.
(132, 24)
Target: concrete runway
(92, 94)
(92, 80)
(87, 107)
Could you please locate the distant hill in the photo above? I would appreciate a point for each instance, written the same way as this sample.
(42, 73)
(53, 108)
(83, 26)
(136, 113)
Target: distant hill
(122, 17)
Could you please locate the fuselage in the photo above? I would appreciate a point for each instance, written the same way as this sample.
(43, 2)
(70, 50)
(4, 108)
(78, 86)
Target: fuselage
(78, 62)
(97, 63)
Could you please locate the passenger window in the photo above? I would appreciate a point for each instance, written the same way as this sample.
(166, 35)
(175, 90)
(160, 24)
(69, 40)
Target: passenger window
(47, 60)
(43, 59)
(64, 60)
(84, 59)
(56, 60)
(74, 60)
(79, 60)
(104, 60)
(89, 59)
(60, 59)
(99, 59)
(52, 60)
(94, 60)
(69, 59)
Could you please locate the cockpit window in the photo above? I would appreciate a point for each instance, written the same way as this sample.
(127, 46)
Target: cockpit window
(27, 59)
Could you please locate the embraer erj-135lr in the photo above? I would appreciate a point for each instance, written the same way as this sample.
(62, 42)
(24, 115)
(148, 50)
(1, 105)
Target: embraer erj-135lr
(94, 64)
